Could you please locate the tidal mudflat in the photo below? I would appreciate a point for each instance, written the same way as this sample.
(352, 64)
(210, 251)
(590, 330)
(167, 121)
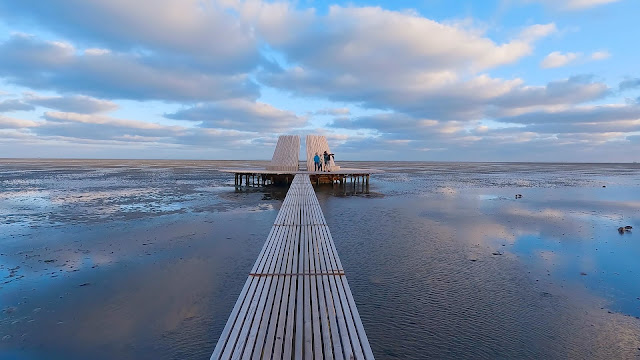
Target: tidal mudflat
(132, 259)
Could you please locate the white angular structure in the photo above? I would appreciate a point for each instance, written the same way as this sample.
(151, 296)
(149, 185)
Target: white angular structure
(286, 155)
(318, 144)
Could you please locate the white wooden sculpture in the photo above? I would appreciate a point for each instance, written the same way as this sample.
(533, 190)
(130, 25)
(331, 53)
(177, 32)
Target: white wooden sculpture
(286, 155)
(318, 144)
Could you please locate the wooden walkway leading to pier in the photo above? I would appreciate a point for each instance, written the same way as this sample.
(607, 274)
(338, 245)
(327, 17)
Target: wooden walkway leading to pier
(296, 303)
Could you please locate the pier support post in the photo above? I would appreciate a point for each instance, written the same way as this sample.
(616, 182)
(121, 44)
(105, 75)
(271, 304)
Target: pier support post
(353, 183)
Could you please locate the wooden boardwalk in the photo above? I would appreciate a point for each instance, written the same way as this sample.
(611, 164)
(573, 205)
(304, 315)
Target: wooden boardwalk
(296, 303)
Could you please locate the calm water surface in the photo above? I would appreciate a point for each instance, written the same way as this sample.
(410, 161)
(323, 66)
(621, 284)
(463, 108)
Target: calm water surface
(145, 259)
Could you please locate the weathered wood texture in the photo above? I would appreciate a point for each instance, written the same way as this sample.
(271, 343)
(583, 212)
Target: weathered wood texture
(296, 303)
(286, 155)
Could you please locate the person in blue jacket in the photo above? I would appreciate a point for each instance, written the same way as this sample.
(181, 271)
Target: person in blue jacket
(316, 162)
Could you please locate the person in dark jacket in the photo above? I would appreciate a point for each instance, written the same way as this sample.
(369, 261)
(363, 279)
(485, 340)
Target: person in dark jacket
(327, 160)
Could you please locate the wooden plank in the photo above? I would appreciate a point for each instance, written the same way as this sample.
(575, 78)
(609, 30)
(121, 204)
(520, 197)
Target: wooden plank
(331, 339)
(224, 336)
(271, 252)
(268, 309)
(315, 314)
(280, 302)
(252, 337)
(278, 342)
(300, 305)
(237, 327)
(264, 285)
(325, 330)
(354, 341)
(306, 214)
(288, 336)
(268, 253)
(308, 322)
(246, 295)
(248, 320)
(364, 341)
(352, 317)
(334, 261)
(333, 247)
(343, 338)
(265, 247)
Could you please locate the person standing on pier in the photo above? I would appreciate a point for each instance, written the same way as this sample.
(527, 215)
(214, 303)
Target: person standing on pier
(327, 160)
(316, 162)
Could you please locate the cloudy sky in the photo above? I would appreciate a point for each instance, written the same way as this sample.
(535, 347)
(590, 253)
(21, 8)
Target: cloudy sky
(491, 80)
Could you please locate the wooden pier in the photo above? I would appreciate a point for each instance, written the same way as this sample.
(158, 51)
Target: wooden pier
(296, 302)
(353, 180)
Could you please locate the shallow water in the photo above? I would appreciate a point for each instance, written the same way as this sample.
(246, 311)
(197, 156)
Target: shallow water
(131, 259)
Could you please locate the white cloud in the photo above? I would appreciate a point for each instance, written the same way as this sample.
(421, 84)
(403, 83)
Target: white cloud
(600, 55)
(74, 103)
(558, 59)
(12, 123)
(585, 4)
(629, 83)
(573, 90)
(78, 128)
(241, 115)
(473, 99)
(573, 5)
(39, 64)
(535, 32)
(356, 40)
(333, 111)
(15, 105)
(206, 32)
(277, 22)
(96, 51)
(69, 117)
(586, 114)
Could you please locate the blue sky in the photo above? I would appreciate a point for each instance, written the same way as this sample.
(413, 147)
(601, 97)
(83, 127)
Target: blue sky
(503, 80)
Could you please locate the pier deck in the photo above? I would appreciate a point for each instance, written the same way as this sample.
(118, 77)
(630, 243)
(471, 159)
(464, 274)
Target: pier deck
(296, 302)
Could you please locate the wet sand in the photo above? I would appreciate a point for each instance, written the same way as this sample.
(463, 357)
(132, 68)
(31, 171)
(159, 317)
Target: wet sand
(130, 259)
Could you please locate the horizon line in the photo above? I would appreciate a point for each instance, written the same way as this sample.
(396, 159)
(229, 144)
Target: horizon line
(377, 161)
